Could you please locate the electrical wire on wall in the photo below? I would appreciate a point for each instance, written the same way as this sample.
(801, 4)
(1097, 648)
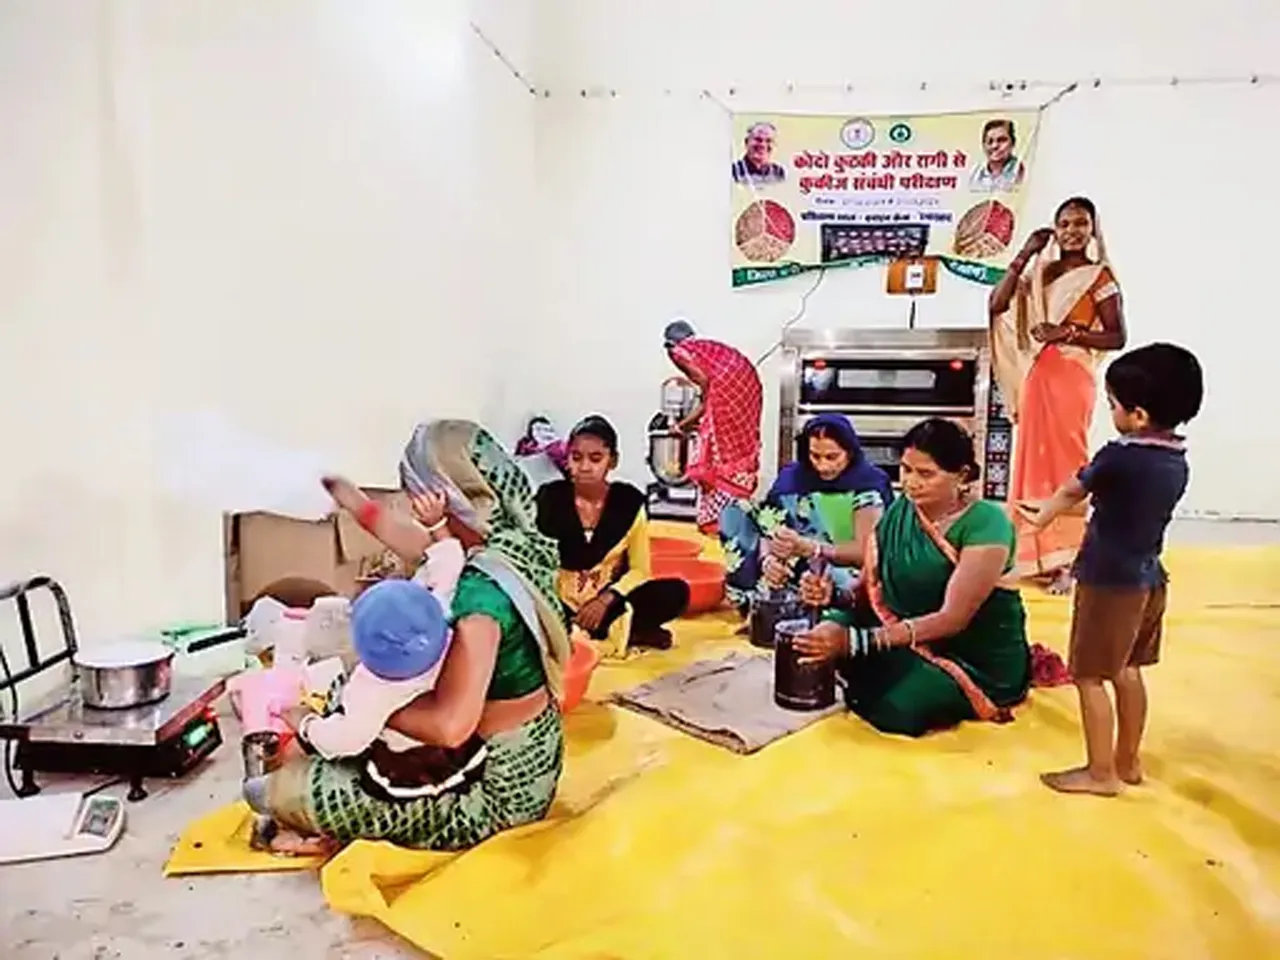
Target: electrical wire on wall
(796, 317)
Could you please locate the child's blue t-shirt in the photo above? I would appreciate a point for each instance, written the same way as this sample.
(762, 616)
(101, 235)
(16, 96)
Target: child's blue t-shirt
(1135, 483)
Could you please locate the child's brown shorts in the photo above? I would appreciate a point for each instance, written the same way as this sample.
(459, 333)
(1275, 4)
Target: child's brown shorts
(1113, 628)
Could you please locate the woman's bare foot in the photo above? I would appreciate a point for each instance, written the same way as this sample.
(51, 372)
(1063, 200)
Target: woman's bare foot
(292, 844)
(657, 638)
(1130, 773)
(263, 832)
(1080, 780)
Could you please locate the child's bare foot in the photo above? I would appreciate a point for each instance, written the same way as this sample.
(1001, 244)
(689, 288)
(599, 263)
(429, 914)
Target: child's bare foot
(1130, 773)
(292, 844)
(1061, 583)
(1080, 780)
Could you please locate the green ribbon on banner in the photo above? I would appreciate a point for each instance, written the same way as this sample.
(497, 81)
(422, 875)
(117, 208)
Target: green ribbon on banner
(753, 276)
(977, 272)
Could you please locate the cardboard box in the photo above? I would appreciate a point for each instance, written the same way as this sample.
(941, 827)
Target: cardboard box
(297, 560)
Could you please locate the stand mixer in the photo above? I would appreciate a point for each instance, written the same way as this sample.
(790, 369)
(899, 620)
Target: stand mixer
(672, 496)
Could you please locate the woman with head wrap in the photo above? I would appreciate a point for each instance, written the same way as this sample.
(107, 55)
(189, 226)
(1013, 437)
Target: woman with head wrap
(499, 677)
(726, 465)
(1050, 326)
(823, 504)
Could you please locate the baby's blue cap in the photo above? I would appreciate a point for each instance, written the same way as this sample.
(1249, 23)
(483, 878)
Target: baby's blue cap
(398, 629)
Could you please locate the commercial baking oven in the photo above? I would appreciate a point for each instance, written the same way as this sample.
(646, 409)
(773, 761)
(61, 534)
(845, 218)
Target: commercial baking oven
(886, 381)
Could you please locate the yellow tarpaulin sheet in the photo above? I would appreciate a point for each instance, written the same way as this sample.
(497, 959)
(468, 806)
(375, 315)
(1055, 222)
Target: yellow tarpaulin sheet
(219, 843)
(840, 842)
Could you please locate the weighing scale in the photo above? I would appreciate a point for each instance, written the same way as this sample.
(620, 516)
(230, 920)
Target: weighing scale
(59, 734)
(59, 825)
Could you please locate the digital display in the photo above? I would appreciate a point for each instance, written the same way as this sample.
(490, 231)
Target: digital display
(860, 378)
(97, 821)
(197, 735)
(845, 241)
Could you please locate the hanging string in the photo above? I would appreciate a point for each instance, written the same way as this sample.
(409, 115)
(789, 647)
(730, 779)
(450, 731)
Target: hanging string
(725, 97)
(1066, 91)
(708, 95)
(1004, 88)
(502, 58)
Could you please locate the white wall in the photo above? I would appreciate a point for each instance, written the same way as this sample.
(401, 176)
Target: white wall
(291, 212)
(634, 185)
(329, 219)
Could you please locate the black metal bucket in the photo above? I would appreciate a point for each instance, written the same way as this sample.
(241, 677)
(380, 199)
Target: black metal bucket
(767, 611)
(800, 686)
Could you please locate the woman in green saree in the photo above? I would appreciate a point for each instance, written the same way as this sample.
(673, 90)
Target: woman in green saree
(498, 683)
(937, 634)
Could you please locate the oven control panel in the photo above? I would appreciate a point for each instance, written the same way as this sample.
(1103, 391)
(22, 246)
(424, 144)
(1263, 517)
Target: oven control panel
(942, 384)
(997, 474)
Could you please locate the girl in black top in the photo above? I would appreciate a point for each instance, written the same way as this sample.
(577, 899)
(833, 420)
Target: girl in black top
(605, 578)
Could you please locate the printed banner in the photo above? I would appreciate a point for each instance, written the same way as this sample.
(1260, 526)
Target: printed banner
(827, 191)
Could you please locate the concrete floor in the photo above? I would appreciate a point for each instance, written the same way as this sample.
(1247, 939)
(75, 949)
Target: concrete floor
(1233, 533)
(118, 905)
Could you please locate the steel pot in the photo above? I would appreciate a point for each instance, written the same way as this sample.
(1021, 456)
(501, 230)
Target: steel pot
(260, 751)
(125, 674)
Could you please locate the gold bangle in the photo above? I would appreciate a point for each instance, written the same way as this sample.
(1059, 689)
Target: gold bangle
(911, 632)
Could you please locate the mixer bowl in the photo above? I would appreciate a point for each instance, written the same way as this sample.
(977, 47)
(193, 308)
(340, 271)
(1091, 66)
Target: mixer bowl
(669, 457)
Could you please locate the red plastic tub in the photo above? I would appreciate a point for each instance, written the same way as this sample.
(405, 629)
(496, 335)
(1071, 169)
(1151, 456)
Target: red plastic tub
(705, 580)
(674, 547)
(577, 674)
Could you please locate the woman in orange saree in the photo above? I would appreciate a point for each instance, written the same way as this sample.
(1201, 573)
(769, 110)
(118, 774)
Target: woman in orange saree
(1050, 326)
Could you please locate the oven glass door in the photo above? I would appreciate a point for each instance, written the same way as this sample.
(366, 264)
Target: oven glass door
(888, 383)
(885, 453)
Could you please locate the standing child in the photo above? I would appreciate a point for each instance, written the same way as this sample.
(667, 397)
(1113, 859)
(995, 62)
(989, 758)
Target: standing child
(1118, 610)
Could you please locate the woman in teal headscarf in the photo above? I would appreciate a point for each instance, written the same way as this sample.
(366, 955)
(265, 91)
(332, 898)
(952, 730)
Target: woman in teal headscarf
(824, 503)
(499, 678)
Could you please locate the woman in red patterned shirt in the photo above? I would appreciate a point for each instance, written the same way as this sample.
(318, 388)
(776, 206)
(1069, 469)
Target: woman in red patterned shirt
(726, 465)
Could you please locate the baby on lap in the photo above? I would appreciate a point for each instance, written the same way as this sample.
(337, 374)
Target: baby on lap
(400, 632)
